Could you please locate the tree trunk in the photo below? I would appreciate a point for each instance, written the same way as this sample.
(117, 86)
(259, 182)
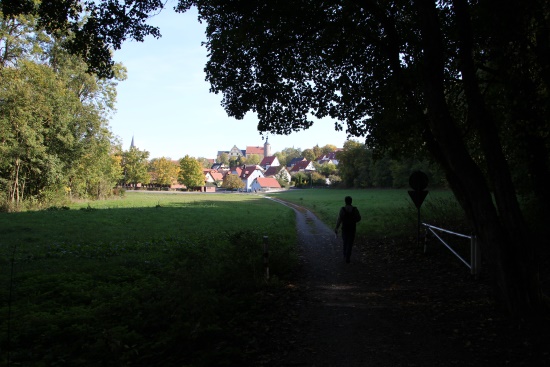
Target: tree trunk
(504, 239)
(540, 174)
(14, 195)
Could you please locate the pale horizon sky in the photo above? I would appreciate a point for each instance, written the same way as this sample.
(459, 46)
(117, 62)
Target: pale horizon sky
(166, 106)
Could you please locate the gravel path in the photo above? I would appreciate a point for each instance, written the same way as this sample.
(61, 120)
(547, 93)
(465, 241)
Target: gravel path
(342, 307)
(391, 306)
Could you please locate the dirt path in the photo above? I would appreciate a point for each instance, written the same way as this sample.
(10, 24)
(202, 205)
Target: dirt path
(345, 307)
(391, 306)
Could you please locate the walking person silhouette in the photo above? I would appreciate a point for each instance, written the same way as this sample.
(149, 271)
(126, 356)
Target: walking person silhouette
(348, 216)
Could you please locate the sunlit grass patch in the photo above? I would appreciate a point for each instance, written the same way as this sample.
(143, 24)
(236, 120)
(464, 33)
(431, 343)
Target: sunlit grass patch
(384, 212)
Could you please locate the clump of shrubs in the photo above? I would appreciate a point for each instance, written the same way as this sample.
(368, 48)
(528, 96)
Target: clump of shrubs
(57, 208)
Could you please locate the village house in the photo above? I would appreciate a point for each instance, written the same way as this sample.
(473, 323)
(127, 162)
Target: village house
(271, 161)
(235, 153)
(218, 166)
(250, 151)
(328, 158)
(302, 166)
(259, 151)
(279, 173)
(254, 176)
(263, 184)
(294, 161)
(247, 174)
(212, 176)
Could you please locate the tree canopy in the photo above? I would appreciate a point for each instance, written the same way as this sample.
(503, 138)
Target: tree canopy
(53, 119)
(463, 82)
(357, 168)
(164, 171)
(448, 78)
(232, 182)
(135, 163)
(191, 174)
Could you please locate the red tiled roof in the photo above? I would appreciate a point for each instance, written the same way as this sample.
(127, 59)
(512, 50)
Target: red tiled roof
(268, 182)
(328, 156)
(302, 165)
(294, 160)
(217, 176)
(255, 150)
(267, 161)
(248, 170)
(272, 171)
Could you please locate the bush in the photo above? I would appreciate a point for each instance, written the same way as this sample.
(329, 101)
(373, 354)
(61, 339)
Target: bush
(6, 205)
(445, 213)
(119, 192)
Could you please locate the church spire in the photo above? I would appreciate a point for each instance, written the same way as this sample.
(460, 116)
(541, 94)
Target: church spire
(267, 148)
(132, 143)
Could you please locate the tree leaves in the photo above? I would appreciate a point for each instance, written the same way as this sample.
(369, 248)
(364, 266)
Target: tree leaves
(53, 119)
(191, 174)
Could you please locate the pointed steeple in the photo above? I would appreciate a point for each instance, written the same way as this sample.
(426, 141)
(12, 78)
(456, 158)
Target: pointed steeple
(132, 143)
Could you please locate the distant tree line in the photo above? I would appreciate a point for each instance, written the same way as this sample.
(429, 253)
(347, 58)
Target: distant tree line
(160, 172)
(360, 167)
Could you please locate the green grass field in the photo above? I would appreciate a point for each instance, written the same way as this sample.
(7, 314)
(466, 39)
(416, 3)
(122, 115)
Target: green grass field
(144, 216)
(384, 212)
(123, 282)
(157, 279)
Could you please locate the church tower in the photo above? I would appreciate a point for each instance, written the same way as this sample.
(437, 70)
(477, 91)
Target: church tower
(267, 148)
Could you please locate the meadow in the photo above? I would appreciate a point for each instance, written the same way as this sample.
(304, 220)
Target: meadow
(385, 212)
(160, 279)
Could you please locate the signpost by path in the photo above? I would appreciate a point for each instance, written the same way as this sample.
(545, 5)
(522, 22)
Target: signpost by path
(418, 181)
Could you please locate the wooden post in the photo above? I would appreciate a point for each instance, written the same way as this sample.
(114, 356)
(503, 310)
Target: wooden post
(266, 257)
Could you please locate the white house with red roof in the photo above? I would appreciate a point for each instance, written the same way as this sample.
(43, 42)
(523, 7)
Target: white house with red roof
(328, 158)
(212, 175)
(248, 174)
(272, 161)
(264, 184)
(302, 166)
(278, 173)
(293, 161)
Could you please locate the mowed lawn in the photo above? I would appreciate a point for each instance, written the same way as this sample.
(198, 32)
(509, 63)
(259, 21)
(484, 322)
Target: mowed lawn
(142, 216)
(145, 216)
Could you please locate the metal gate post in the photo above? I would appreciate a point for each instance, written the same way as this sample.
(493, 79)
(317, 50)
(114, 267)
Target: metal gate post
(426, 240)
(478, 256)
(474, 256)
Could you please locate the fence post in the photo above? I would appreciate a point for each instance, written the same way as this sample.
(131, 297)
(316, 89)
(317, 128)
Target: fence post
(266, 257)
(426, 239)
(474, 256)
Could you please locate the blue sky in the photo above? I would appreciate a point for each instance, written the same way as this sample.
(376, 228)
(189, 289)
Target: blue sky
(165, 103)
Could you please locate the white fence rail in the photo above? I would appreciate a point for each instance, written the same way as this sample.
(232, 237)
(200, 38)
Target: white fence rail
(475, 255)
